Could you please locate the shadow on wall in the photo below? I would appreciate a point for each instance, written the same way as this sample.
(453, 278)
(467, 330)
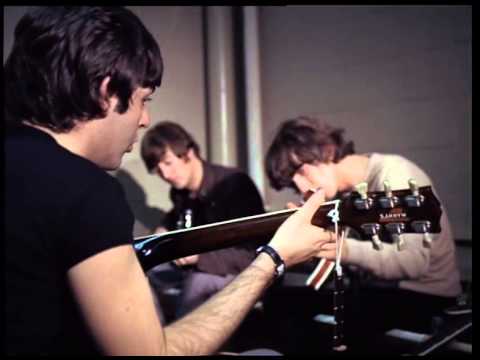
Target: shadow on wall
(146, 218)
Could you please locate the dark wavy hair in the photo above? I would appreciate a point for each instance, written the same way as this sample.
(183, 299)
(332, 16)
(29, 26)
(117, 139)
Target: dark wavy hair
(163, 134)
(302, 140)
(60, 56)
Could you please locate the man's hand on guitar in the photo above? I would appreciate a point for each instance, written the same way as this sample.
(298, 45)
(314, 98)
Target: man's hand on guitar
(297, 240)
(306, 196)
(329, 249)
(291, 205)
(187, 260)
(160, 229)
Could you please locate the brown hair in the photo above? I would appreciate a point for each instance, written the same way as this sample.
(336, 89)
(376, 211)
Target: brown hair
(163, 134)
(303, 140)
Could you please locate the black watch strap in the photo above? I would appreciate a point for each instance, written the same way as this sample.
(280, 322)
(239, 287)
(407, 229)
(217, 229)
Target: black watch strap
(279, 264)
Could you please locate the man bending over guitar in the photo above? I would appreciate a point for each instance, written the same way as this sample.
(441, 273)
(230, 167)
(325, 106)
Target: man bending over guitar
(398, 288)
(76, 84)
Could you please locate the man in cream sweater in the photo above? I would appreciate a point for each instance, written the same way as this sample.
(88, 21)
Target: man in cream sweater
(398, 288)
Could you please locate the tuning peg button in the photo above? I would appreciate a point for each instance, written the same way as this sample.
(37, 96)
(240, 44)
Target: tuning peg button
(377, 243)
(388, 189)
(395, 230)
(361, 188)
(413, 187)
(400, 241)
(427, 240)
(388, 201)
(364, 202)
(415, 199)
(423, 226)
(372, 230)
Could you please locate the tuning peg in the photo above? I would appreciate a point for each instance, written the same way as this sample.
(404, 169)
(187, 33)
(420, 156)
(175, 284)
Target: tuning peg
(388, 189)
(423, 226)
(427, 240)
(396, 229)
(361, 188)
(415, 199)
(372, 230)
(364, 202)
(388, 201)
(413, 187)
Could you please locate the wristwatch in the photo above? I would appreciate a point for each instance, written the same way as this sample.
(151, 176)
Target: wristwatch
(279, 264)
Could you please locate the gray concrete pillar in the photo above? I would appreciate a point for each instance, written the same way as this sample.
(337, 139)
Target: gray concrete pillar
(253, 97)
(221, 86)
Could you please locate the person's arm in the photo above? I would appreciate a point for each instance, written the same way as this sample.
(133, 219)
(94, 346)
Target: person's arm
(205, 329)
(115, 298)
(231, 260)
(187, 260)
(388, 263)
(160, 229)
(114, 295)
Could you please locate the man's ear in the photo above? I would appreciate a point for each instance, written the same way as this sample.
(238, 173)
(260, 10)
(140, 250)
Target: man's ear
(189, 155)
(105, 98)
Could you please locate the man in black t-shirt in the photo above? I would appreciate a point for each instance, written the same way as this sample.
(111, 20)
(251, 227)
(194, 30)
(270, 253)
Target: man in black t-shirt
(201, 193)
(75, 87)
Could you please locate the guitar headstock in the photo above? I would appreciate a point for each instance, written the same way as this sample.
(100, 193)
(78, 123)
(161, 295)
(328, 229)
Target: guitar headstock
(388, 214)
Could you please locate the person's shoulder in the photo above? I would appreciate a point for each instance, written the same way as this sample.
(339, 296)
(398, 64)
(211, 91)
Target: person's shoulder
(39, 155)
(91, 183)
(220, 169)
(87, 177)
(394, 160)
(398, 168)
(237, 176)
(385, 160)
(230, 179)
(84, 170)
(227, 171)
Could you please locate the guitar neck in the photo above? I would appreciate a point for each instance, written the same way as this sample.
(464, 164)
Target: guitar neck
(418, 213)
(254, 230)
(338, 309)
